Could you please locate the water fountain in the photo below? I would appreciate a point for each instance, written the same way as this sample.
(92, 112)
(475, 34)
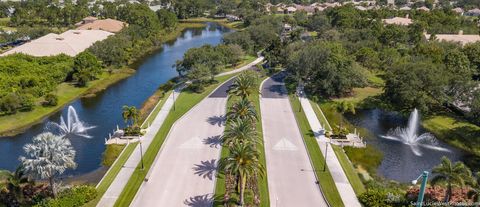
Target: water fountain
(409, 136)
(73, 125)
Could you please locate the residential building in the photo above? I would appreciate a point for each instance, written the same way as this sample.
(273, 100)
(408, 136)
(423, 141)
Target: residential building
(69, 43)
(403, 21)
(109, 25)
(461, 38)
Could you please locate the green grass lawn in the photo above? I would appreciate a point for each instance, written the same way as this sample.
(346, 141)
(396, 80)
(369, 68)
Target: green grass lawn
(185, 101)
(224, 22)
(66, 92)
(360, 94)
(155, 111)
(111, 174)
(263, 183)
(112, 152)
(324, 177)
(455, 131)
(351, 173)
(220, 187)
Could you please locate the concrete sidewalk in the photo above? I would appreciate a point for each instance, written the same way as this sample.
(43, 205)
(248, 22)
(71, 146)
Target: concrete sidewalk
(341, 181)
(291, 177)
(110, 197)
(245, 67)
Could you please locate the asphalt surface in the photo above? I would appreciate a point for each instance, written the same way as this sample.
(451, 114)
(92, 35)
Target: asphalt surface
(222, 91)
(184, 170)
(274, 87)
(291, 178)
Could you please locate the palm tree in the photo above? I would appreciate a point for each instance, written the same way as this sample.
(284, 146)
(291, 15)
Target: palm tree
(130, 113)
(239, 131)
(474, 192)
(244, 85)
(48, 156)
(244, 110)
(243, 162)
(452, 174)
(14, 182)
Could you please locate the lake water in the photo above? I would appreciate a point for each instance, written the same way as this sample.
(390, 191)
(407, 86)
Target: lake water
(399, 162)
(104, 110)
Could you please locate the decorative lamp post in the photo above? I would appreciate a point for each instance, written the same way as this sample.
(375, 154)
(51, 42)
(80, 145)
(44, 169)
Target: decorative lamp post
(424, 177)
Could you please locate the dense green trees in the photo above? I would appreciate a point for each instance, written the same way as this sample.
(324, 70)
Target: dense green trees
(86, 67)
(24, 78)
(200, 65)
(416, 85)
(325, 68)
(167, 19)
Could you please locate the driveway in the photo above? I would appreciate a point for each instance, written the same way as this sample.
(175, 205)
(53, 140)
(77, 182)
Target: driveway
(184, 171)
(291, 180)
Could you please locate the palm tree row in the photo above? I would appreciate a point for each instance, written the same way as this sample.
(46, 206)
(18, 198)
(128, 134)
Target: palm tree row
(240, 135)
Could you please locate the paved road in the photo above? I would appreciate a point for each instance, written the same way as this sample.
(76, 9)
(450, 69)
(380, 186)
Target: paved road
(184, 170)
(291, 181)
(113, 192)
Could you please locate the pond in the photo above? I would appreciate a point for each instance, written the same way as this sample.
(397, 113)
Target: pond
(399, 162)
(104, 110)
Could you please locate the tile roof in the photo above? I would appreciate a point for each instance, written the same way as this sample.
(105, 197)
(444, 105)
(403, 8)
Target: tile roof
(109, 25)
(70, 43)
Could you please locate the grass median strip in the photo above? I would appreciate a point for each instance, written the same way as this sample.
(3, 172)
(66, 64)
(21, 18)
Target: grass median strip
(220, 188)
(324, 177)
(185, 101)
(111, 174)
(349, 170)
(263, 182)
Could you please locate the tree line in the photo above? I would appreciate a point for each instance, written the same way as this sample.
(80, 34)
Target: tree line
(25, 79)
(351, 45)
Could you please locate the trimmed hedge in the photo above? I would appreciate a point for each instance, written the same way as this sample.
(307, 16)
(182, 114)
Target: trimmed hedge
(72, 197)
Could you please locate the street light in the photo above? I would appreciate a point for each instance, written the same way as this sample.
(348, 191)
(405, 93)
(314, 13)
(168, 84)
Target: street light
(326, 153)
(141, 151)
(424, 177)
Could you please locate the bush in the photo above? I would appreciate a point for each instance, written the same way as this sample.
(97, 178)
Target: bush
(132, 131)
(374, 198)
(10, 103)
(51, 100)
(72, 197)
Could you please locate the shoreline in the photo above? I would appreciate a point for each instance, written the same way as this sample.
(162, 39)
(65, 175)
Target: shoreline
(94, 87)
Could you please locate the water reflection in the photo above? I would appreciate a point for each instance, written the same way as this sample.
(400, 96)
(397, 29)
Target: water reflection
(399, 163)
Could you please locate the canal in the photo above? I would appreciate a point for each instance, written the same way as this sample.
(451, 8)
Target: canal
(104, 110)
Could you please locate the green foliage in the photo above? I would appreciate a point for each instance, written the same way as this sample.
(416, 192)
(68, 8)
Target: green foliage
(24, 78)
(167, 19)
(369, 157)
(200, 65)
(416, 85)
(111, 154)
(374, 198)
(325, 68)
(72, 197)
(451, 174)
(51, 100)
(86, 68)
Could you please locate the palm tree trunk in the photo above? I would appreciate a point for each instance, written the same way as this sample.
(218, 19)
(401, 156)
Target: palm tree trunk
(243, 181)
(449, 192)
(52, 186)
